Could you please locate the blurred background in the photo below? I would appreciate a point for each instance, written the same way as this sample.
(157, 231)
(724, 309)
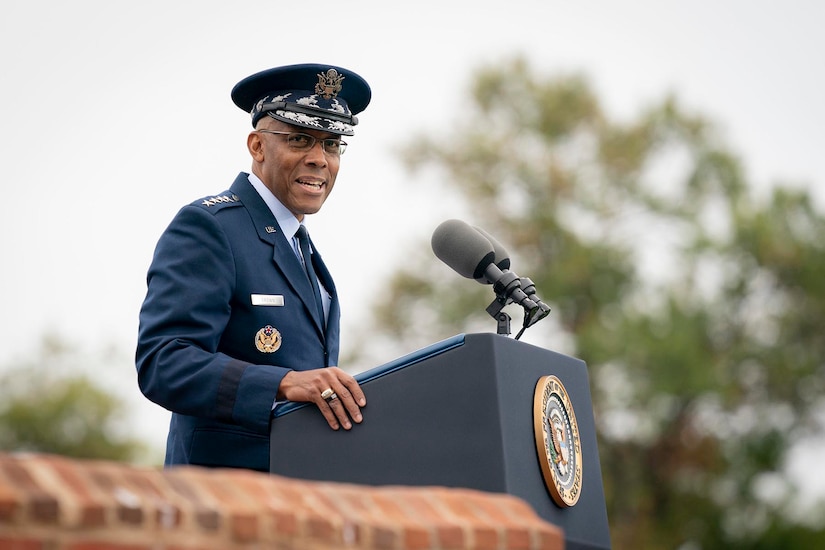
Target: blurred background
(654, 166)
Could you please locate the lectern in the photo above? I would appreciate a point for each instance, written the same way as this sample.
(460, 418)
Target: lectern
(480, 411)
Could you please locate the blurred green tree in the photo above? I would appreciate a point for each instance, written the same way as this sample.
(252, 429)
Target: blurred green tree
(49, 405)
(698, 306)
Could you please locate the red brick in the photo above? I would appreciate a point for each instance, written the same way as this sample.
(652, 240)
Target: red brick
(127, 504)
(285, 523)
(42, 507)
(166, 511)
(384, 538)
(239, 513)
(96, 545)
(55, 503)
(318, 526)
(205, 512)
(21, 543)
(80, 504)
(279, 512)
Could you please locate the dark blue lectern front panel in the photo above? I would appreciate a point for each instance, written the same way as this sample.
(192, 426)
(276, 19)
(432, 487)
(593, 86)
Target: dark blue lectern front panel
(457, 414)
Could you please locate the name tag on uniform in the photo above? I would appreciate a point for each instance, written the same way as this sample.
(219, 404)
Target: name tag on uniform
(267, 299)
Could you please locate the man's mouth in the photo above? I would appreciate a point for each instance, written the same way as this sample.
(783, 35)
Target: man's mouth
(314, 185)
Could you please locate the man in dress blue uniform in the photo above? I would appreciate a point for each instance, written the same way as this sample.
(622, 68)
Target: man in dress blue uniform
(240, 310)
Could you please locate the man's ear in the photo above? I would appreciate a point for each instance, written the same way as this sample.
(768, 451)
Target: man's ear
(256, 146)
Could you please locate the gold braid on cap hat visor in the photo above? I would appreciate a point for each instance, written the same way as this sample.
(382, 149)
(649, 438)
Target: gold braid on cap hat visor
(307, 110)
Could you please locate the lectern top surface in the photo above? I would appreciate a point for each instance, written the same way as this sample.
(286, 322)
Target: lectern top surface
(382, 370)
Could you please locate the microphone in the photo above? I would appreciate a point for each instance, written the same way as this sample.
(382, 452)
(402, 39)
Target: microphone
(502, 260)
(502, 257)
(462, 248)
(468, 252)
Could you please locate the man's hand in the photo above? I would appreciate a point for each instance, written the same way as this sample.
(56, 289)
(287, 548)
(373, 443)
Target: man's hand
(308, 386)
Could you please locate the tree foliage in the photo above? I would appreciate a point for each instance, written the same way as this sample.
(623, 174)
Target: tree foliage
(49, 405)
(697, 303)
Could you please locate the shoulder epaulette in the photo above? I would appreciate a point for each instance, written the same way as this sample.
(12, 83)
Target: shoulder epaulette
(220, 199)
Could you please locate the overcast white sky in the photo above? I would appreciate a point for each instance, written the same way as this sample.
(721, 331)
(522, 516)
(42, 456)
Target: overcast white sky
(114, 114)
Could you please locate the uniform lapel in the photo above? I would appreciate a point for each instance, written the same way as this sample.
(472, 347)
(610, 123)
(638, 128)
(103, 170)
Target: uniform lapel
(283, 255)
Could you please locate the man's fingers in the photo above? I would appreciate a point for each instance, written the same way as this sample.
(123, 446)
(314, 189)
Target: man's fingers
(329, 414)
(336, 393)
(340, 412)
(356, 392)
(344, 407)
(348, 407)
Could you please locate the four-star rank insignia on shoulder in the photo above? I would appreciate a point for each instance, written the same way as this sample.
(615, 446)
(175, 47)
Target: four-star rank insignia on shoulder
(220, 199)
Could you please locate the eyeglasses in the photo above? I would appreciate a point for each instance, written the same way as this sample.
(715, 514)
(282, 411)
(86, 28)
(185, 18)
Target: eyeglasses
(305, 142)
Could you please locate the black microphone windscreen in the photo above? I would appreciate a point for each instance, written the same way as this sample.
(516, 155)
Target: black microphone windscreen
(462, 248)
(502, 256)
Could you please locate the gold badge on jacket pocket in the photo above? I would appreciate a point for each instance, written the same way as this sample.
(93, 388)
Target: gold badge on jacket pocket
(267, 299)
(268, 339)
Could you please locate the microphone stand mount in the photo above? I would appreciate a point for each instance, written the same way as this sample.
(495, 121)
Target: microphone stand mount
(508, 289)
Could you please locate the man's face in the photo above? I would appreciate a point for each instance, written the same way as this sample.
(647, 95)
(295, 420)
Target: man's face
(301, 179)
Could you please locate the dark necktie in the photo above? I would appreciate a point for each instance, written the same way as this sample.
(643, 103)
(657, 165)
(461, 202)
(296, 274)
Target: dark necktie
(303, 242)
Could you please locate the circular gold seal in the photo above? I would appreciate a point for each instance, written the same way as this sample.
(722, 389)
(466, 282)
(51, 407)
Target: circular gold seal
(268, 339)
(557, 441)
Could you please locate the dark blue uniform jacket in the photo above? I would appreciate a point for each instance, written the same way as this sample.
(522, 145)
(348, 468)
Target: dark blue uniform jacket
(197, 354)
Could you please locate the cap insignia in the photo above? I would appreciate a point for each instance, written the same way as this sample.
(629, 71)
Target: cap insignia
(329, 84)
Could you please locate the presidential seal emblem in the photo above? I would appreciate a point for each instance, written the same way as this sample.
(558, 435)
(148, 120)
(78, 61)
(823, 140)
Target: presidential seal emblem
(557, 441)
(268, 339)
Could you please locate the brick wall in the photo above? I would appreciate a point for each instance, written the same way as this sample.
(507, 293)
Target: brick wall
(54, 503)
